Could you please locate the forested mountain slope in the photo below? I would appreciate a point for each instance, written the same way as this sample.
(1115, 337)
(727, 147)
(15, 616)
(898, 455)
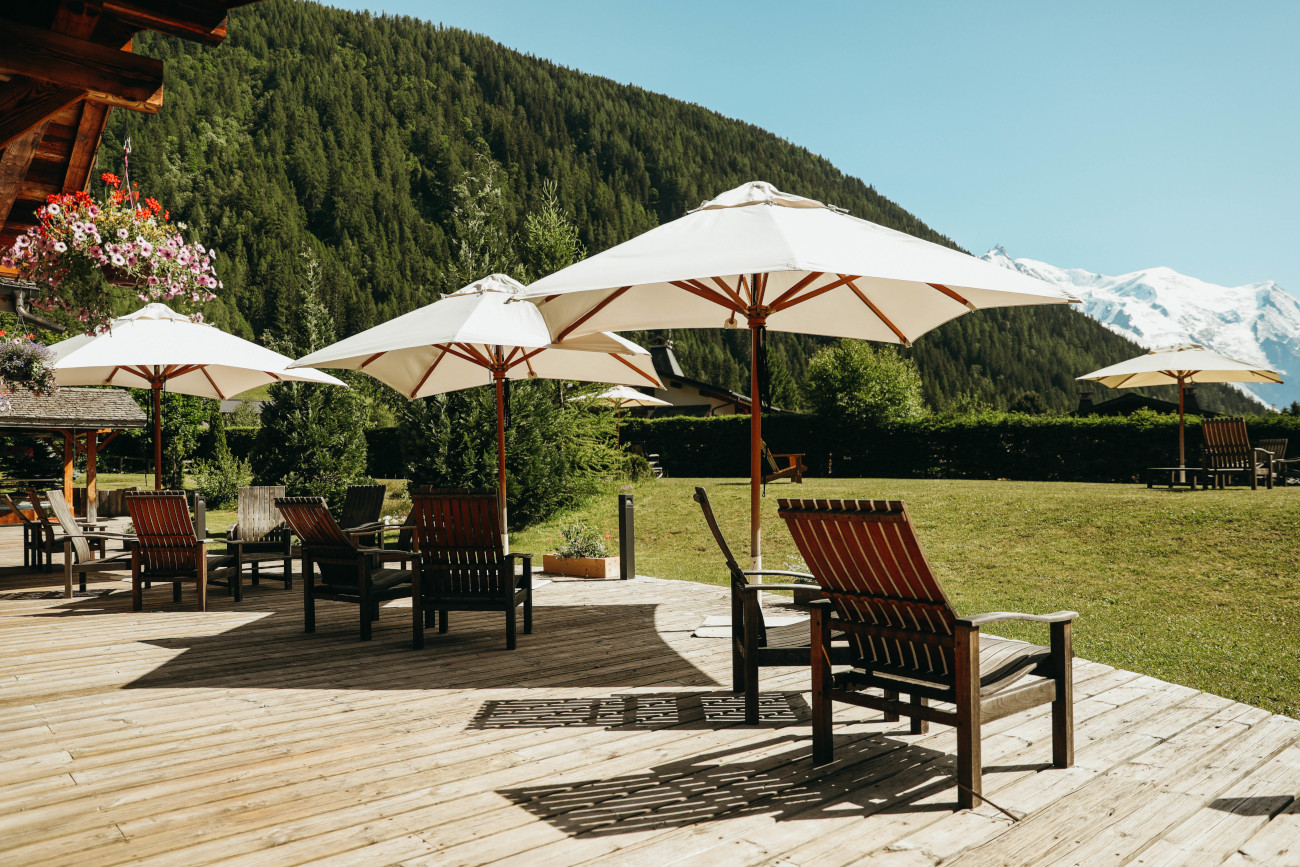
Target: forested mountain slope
(319, 134)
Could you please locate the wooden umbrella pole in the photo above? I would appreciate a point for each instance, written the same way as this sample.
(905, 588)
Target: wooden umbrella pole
(157, 434)
(500, 376)
(1182, 462)
(755, 449)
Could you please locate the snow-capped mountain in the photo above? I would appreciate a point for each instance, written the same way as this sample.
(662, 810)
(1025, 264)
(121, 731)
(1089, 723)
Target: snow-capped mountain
(1258, 322)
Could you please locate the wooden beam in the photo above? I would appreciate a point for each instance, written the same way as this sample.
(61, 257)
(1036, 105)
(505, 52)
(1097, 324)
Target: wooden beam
(13, 167)
(26, 104)
(77, 18)
(196, 20)
(108, 75)
(81, 163)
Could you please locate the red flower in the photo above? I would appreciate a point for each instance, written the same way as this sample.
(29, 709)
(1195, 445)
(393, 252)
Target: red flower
(111, 179)
(153, 204)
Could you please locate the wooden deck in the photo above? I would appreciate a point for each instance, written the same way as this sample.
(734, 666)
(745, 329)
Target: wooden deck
(172, 737)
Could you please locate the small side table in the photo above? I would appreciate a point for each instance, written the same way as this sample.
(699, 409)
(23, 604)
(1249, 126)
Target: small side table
(1173, 476)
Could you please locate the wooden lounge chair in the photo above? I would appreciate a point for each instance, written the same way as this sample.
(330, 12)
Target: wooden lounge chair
(49, 539)
(261, 535)
(1228, 454)
(78, 559)
(33, 546)
(462, 564)
(753, 642)
(348, 573)
(166, 548)
(1283, 466)
(907, 638)
(362, 505)
(793, 468)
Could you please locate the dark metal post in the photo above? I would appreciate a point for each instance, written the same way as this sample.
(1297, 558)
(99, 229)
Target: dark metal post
(626, 537)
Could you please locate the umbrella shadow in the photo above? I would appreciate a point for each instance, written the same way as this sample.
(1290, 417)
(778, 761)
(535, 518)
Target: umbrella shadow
(643, 711)
(872, 774)
(603, 646)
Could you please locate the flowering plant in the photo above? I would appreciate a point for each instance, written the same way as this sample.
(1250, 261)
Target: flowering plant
(581, 540)
(80, 243)
(25, 364)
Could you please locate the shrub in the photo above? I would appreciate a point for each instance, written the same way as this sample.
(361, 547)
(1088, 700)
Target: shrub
(220, 478)
(581, 540)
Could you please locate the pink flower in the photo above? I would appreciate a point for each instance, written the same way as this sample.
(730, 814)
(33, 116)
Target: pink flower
(122, 233)
(93, 210)
(60, 247)
(52, 209)
(118, 259)
(96, 252)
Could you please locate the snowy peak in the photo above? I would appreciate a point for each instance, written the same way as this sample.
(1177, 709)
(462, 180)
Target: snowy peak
(1257, 322)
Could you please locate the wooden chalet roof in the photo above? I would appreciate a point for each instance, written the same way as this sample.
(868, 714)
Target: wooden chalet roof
(75, 409)
(64, 64)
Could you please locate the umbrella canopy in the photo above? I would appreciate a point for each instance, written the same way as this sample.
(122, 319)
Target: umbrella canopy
(621, 395)
(482, 329)
(781, 262)
(156, 347)
(1178, 365)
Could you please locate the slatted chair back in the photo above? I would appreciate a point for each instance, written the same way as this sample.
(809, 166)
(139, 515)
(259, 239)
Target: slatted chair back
(1227, 443)
(13, 507)
(737, 574)
(38, 509)
(362, 505)
(458, 535)
(869, 563)
(1277, 446)
(258, 515)
(71, 528)
(769, 461)
(322, 537)
(164, 531)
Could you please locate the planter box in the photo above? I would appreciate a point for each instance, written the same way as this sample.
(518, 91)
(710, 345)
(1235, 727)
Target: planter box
(582, 567)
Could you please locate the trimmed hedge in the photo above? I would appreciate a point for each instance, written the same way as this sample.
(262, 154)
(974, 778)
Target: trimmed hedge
(983, 446)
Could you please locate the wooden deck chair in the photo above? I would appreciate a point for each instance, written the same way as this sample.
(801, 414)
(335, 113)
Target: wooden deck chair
(49, 539)
(462, 564)
(347, 573)
(793, 468)
(261, 535)
(907, 638)
(1282, 465)
(753, 643)
(1228, 453)
(363, 505)
(167, 549)
(33, 535)
(78, 559)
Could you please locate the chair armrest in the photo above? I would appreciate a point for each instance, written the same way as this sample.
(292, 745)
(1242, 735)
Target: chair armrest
(998, 616)
(366, 529)
(513, 555)
(784, 572)
(388, 552)
(754, 588)
(789, 455)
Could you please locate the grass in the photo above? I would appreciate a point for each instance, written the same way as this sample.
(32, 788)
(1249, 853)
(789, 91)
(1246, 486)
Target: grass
(1196, 588)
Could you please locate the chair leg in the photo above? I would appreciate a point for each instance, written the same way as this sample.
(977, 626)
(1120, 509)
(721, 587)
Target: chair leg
(891, 715)
(308, 599)
(202, 571)
(969, 761)
(418, 614)
(67, 571)
(288, 573)
(919, 726)
(1063, 704)
(257, 575)
(364, 603)
(510, 625)
(176, 591)
(442, 619)
(823, 745)
(752, 619)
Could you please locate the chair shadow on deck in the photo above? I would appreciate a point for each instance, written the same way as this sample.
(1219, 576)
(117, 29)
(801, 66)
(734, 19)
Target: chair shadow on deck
(680, 710)
(614, 646)
(876, 774)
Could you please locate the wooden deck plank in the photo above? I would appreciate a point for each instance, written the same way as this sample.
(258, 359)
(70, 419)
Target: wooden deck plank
(177, 736)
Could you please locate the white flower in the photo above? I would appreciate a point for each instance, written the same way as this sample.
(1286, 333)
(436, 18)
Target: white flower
(52, 209)
(60, 247)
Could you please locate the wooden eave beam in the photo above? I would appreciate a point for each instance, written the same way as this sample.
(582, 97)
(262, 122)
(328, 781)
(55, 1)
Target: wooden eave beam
(27, 104)
(107, 75)
(81, 162)
(194, 20)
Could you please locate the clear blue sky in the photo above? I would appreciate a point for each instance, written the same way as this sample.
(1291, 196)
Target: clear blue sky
(1106, 136)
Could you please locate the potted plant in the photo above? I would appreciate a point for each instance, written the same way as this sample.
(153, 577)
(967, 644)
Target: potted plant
(84, 255)
(582, 554)
(24, 364)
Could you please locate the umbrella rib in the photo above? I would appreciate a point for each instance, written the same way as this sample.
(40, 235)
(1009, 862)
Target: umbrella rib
(733, 294)
(953, 295)
(428, 372)
(375, 357)
(730, 300)
(795, 289)
(590, 313)
(876, 310)
(632, 366)
(463, 351)
(215, 388)
(523, 359)
(781, 303)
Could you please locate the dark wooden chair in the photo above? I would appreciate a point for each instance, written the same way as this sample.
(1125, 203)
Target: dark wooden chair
(348, 572)
(463, 565)
(261, 535)
(753, 643)
(363, 505)
(1283, 467)
(33, 538)
(48, 538)
(167, 549)
(1228, 454)
(78, 558)
(785, 466)
(908, 639)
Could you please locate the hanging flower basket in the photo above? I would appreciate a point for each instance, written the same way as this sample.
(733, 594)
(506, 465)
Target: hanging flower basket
(83, 255)
(24, 364)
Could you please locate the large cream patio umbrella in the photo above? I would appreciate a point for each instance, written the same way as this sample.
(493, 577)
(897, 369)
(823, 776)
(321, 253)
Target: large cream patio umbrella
(770, 260)
(1178, 365)
(482, 329)
(155, 347)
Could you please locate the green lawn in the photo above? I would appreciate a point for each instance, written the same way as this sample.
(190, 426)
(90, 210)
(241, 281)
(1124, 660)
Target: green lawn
(1196, 588)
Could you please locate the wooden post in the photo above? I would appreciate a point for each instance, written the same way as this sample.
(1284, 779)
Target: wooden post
(92, 491)
(1182, 460)
(69, 454)
(157, 435)
(755, 449)
(499, 376)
